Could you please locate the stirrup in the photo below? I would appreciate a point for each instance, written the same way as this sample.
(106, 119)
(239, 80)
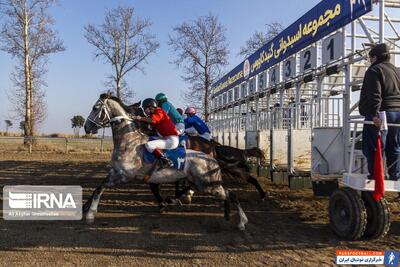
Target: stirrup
(165, 163)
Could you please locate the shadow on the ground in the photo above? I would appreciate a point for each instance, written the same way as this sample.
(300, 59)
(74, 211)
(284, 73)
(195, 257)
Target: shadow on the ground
(128, 222)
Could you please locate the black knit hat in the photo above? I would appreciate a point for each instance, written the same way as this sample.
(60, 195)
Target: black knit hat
(379, 50)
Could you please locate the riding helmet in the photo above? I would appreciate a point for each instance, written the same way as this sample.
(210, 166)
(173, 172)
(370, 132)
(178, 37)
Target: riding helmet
(149, 102)
(161, 97)
(190, 111)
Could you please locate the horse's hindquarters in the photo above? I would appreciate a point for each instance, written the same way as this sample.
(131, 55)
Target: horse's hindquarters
(203, 171)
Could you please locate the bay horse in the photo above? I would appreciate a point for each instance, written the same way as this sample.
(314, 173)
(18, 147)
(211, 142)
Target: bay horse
(232, 160)
(201, 170)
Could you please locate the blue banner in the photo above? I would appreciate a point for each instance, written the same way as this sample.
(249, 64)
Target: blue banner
(325, 18)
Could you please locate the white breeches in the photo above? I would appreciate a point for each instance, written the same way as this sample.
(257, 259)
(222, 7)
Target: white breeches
(180, 127)
(193, 131)
(168, 142)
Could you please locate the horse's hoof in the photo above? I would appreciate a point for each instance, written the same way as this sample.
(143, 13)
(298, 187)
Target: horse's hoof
(227, 217)
(177, 202)
(243, 220)
(241, 226)
(89, 220)
(173, 201)
(85, 208)
(187, 198)
(162, 206)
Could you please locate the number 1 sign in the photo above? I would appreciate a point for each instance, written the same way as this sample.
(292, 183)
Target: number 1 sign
(332, 48)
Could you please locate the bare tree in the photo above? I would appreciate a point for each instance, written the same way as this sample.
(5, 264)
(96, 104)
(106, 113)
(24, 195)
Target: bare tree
(28, 36)
(201, 49)
(258, 39)
(124, 42)
(17, 95)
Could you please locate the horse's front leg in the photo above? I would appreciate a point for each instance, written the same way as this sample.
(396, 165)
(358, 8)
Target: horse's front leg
(254, 181)
(90, 207)
(155, 189)
(181, 189)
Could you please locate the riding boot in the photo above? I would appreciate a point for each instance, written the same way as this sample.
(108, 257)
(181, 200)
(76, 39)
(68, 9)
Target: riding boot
(165, 162)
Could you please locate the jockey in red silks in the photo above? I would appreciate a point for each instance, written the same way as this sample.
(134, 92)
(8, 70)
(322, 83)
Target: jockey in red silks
(165, 128)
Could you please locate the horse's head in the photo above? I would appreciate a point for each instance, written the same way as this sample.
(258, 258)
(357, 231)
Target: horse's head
(136, 109)
(106, 110)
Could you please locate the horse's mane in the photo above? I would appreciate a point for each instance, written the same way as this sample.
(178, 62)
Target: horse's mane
(133, 109)
(129, 109)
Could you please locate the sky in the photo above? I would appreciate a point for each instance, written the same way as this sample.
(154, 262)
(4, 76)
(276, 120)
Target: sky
(75, 79)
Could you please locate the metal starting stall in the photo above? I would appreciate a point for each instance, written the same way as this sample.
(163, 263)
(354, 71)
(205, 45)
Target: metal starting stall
(296, 98)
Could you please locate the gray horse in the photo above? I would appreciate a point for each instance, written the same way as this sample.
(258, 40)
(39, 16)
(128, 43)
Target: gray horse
(201, 170)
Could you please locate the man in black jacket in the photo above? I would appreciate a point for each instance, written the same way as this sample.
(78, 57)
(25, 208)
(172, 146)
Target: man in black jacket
(381, 92)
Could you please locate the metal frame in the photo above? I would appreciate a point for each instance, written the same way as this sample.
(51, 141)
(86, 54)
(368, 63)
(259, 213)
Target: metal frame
(321, 91)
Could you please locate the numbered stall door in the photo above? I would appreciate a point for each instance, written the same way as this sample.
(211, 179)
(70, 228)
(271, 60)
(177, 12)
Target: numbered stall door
(279, 148)
(226, 139)
(289, 68)
(264, 143)
(233, 139)
(251, 139)
(274, 75)
(301, 149)
(332, 48)
(220, 138)
(262, 81)
(327, 154)
(308, 59)
(241, 140)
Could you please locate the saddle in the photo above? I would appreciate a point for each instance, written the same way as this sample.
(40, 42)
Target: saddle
(177, 155)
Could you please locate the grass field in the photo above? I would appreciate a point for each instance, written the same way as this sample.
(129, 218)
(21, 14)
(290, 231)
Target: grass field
(57, 144)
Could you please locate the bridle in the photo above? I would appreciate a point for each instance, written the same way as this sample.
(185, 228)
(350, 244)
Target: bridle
(107, 120)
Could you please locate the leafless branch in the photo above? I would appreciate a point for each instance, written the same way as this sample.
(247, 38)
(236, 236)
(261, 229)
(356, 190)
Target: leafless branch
(124, 42)
(27, 34)
(258, 39)
(201, 50)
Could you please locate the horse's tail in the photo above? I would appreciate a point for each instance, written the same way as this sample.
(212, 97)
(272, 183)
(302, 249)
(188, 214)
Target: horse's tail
(234, 160)
(253, 152)
(233, 170)
(231, 158)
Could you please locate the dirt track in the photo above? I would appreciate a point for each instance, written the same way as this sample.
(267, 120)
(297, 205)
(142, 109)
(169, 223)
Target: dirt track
(289, 229)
